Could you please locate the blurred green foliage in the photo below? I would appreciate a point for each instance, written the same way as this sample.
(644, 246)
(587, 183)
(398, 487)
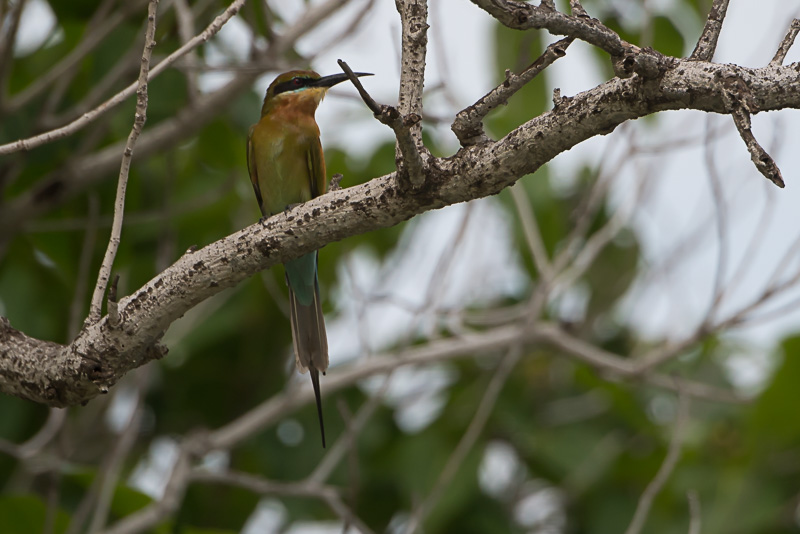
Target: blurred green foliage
(743, 462)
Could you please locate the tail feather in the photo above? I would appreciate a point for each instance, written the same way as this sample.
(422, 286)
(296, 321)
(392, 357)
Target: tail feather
(310, 342)
(315, 382)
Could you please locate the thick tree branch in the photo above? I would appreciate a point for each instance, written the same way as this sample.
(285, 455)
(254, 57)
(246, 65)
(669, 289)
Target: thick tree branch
(64, 375)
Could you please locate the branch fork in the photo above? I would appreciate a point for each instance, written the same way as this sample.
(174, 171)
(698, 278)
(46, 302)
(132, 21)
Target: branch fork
(410, 165)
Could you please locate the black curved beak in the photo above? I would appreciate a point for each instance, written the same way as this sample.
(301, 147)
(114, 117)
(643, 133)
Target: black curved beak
(333, 79)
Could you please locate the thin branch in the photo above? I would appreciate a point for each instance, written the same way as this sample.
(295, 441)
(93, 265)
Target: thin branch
(577, 9)
(695, 515)
(468, 124)
(62, 83)
(786, 44)
(7, 39)
(94, 35)
(122, 184)
(666, 469)
(721, 212)
(336, 453)
(126, 66)
(707, 44)
(467, 441)
(185, 20)
(414, 25)
(598, 241)
(762, 160)
(90, 116)
(262, 486)
(152, 514)
(76, 308)
(109, 475)
(402, 125)
(533, 235)
(46, 434)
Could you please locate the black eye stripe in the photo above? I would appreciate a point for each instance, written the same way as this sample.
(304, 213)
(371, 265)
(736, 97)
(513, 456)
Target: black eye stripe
(291, 85)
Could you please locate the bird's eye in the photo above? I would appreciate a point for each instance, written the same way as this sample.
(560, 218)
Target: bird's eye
(297, 82)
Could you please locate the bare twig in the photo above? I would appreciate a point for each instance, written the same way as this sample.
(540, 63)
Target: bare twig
(145, 518)
(62, 83)
(762, 160)
(112, 304)
(263, 486)
(467, 441)
(721, 212)
(695, 516)
(577, 9)
(336, 453)
(53, 487)
(402, 125)
(122, 183)
(739, 103)
(414, 24)
(46, 434)
(7, 38)
(786, 44)
(76, 308)
(532, 234)
(667, 466)
(468, 123)
(185, 20)
(94, 35)
(109, 475)
(707, 44)
(88, 117)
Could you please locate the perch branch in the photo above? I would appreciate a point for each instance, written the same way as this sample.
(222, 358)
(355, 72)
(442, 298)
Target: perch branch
(61, 375)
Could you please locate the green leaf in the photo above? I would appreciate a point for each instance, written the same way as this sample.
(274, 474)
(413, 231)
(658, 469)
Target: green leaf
(25, 514)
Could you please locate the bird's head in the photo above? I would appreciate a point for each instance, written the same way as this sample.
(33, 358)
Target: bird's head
(301, 89)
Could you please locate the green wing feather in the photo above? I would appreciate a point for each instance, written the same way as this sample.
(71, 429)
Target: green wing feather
(316, 169)
(252, 169)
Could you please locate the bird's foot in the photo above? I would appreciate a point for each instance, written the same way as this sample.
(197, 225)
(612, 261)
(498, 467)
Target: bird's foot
(335, 182)
(290, 207)
(263, 220)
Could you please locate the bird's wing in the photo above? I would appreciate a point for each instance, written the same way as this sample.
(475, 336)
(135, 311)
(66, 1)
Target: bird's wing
(252, 168)
(316, 169)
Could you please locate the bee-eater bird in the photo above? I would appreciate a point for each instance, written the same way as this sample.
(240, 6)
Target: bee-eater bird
(286, 165)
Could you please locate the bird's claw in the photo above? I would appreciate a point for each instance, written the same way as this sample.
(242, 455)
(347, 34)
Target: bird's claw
(335, 182)
(290, 207)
